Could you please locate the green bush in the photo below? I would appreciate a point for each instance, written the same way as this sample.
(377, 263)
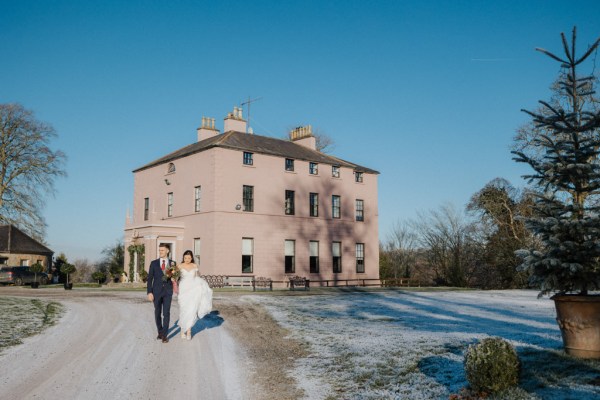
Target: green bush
(492, 365)
(99, 276)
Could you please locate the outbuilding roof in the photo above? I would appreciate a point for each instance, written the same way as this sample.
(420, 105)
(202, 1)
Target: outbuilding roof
(257, 144)
(12, 240)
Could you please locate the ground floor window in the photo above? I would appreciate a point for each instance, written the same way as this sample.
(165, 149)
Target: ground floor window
(290, 256)
(336, 251)
(360, 257)
(247, 254)
(197, 250)
(314, 257)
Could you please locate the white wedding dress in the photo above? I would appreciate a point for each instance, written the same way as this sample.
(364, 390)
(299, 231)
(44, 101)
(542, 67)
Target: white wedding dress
(194, 298)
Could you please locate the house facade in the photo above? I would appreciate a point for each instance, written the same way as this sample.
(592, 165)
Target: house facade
(251, 205)
(19, 249)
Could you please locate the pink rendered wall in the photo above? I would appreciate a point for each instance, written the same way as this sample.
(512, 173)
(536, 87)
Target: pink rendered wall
(270, 227)
(221, 174)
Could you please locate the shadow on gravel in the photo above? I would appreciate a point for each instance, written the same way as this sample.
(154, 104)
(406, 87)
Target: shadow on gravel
(212, 320)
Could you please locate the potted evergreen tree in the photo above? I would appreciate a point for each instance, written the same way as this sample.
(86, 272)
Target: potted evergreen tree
(68, 269)
(36, 269)
(564, 155)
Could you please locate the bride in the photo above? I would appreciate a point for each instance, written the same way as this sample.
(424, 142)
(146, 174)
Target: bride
(195, 296)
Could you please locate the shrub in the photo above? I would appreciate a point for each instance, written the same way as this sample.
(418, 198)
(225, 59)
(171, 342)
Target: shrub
(491, 365)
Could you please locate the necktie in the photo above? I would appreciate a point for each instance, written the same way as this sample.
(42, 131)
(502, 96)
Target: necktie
(163, 265)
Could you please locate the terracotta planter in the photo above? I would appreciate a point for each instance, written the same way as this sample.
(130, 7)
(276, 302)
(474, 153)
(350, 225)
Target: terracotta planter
(578, 317)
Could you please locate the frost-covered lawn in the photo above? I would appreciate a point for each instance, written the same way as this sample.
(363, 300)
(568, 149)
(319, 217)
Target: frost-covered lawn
(410, 345)
(21, 317)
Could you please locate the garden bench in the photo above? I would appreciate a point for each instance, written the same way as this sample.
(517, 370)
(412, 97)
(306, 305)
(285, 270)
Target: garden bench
(214, 281)
(262, 283)
(299, 282)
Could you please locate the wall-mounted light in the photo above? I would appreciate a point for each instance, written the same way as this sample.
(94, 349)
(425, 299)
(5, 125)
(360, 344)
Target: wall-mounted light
(167, 182)
(238, 207)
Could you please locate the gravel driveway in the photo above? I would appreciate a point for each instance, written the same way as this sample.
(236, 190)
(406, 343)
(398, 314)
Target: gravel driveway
(105, 347)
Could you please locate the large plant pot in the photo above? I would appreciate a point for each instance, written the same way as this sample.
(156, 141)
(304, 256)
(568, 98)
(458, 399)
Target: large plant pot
(578, 317)
(68, 286)
(35, 285)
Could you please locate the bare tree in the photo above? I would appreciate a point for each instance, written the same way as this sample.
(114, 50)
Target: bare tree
(84, 270)
(451, 245)
(401, 251)
(28, 167)
(325, 143)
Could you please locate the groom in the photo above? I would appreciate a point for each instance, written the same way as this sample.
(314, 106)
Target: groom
(161, 292)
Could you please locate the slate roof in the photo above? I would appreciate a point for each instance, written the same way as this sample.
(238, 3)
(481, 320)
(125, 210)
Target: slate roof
(257, 144)
(12, 240)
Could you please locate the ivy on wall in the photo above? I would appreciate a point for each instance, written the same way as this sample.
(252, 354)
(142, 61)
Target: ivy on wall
(140, 249)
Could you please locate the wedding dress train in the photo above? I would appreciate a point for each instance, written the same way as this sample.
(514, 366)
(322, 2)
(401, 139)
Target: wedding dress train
(194, 298)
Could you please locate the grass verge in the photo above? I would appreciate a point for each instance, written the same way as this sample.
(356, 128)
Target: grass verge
(24, 317)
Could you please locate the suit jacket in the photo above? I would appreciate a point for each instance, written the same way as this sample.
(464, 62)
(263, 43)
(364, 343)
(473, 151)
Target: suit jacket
(156, 285)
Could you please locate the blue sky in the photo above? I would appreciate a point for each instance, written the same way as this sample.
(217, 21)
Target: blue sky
(426, 92)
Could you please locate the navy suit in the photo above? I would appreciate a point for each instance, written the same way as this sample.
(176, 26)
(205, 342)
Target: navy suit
(163, 294)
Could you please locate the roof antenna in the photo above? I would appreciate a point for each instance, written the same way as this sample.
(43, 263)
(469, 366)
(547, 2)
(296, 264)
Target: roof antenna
(248, 102)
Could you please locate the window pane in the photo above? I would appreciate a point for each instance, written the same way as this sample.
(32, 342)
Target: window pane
(247, 246)
(289, 202)
(289, 164)
(248, 198)
(335, 171)
(360, 257)
(197, 199)
(290, 247)
(359, 210)
(197, 250)
(289, 265)
(314, 265)
(314, 249)
(246, 264)
(146, 208)
(314, 205)
(247, 251)
(335, 206)
(336, 249)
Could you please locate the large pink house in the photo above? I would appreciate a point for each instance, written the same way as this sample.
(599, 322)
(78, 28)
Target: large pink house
(250, 205)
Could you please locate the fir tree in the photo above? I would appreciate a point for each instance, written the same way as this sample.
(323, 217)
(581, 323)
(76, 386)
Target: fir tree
(566, 176)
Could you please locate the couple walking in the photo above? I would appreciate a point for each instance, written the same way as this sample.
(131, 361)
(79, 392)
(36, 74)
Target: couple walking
(194, 298)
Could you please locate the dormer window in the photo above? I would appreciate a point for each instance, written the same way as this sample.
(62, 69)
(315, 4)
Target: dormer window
(171, 168)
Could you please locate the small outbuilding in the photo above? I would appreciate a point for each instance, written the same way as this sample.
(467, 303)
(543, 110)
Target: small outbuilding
(19, 249)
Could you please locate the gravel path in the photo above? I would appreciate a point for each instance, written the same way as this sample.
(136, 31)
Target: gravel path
(105, 347)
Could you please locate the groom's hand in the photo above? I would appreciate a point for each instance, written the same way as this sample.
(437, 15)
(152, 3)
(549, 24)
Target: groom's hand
(150, 297)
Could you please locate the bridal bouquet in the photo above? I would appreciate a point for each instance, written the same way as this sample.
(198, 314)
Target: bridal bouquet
(172, 272)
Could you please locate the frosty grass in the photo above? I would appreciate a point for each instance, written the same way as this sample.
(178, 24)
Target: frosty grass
(23, 317)
(392, 344)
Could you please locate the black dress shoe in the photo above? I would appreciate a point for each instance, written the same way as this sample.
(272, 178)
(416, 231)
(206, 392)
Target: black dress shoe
(165, 339)
(159, 337)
